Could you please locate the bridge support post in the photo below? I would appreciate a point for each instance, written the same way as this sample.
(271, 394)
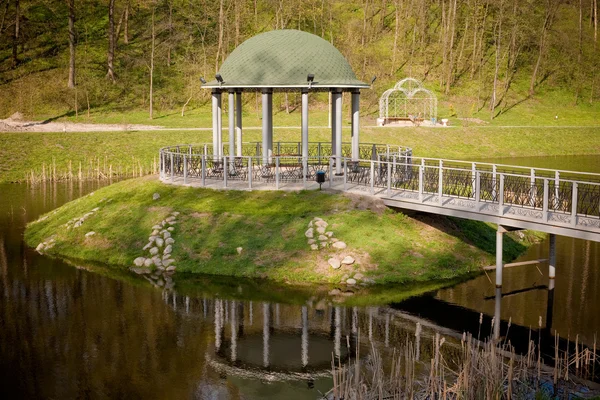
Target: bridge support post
(552, 258)
(497, 313)
(499, 264)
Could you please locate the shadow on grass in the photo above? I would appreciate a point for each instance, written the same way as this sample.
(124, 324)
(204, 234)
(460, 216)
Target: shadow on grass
(476, 233)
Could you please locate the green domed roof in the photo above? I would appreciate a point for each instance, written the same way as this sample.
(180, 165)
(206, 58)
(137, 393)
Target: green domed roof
(284, 58)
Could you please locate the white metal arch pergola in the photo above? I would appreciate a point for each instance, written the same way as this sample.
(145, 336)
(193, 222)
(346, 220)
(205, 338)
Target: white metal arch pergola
(407, 100)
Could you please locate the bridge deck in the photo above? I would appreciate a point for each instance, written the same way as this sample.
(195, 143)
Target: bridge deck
(566, 203)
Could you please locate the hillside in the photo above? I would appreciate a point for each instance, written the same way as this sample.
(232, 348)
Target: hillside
(535, 54)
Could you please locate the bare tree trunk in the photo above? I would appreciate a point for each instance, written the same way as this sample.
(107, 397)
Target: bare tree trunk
(220, 43)
(396, 30)
(151, 95)
(363, 40)
(71, 83)
(498, 40)
(4, 16)
(111, 41)
(15, 45)
(595, 22)
(126, 29)
(452, 23)
(237, 23)
(551, 8)
(170, 33)
(579, 53)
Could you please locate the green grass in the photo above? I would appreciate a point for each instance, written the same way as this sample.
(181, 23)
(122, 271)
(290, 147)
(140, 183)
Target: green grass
(389, 246)
(22, 152)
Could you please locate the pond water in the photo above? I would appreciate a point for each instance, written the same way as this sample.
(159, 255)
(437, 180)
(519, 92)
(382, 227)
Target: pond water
(70, 330)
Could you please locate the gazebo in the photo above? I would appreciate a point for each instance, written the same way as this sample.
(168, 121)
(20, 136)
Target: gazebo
(408, 100)
(284, 60)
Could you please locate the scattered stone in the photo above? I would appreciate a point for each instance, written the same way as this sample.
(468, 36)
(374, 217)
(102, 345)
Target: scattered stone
(168, 249)
(166, 257)
(160, 282)
(358, 276)
(40, 247)
(323, 238)
(348, 260)
(155, 196)
(330, 234)
(334, 262)
(170, 229)
(311, 241)
(146, 247)
(333, 240)
(321, 224)
(95, 209)
(148, 262)
(239, 250)
(77, 224)
(309, 233)
(168, 262)
(169, 219)
(317, 219)
(155, 232)
(314, 247)
(348, 293)
(139, 261)
(310, 224)
(175, 213)
(170, 241)
(159, 242)
(171, 268)
(154, 251)
(90, 233)
(152, 238)
(339, 245)
(323, 244)
(156, 227)
(141, 271)
(335, 292)
(167, 235)
(157, 261)
(351, 281)
(320, 230)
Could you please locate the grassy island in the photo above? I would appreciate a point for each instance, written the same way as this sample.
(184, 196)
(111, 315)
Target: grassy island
(263, 234)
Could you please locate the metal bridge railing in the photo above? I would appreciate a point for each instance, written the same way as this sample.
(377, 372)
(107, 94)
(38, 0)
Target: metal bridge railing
(539, 193)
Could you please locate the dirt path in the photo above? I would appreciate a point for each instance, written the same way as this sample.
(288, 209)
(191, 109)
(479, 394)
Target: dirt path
(17, 125)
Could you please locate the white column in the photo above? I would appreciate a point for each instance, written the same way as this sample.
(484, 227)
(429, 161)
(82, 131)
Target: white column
(267, 125)
(238, 122)
(337, 96)
(333, 120)
(304, 124)
(499, 263)
(355, 124)
(220, 127)
(231, 124)
(234, 330)
(552, 257)
(216, 111)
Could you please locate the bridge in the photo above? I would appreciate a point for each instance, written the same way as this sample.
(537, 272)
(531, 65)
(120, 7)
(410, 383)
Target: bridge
(556, 202)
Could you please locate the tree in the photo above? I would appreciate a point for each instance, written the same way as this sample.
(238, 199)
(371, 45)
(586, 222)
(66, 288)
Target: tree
(71, 4)
(111, 41)
(551, 8)
(16, 32)
(151, 66)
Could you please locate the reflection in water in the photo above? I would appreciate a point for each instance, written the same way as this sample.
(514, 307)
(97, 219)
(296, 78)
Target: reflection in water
(68, 332)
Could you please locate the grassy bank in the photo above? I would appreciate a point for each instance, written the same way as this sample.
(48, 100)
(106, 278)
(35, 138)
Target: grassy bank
(389, 247)
(127, 151)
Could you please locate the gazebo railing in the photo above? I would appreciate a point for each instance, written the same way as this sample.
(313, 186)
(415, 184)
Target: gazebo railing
(371, 151)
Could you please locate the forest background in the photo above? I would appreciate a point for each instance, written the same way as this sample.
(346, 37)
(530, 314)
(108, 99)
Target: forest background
(485, 59)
